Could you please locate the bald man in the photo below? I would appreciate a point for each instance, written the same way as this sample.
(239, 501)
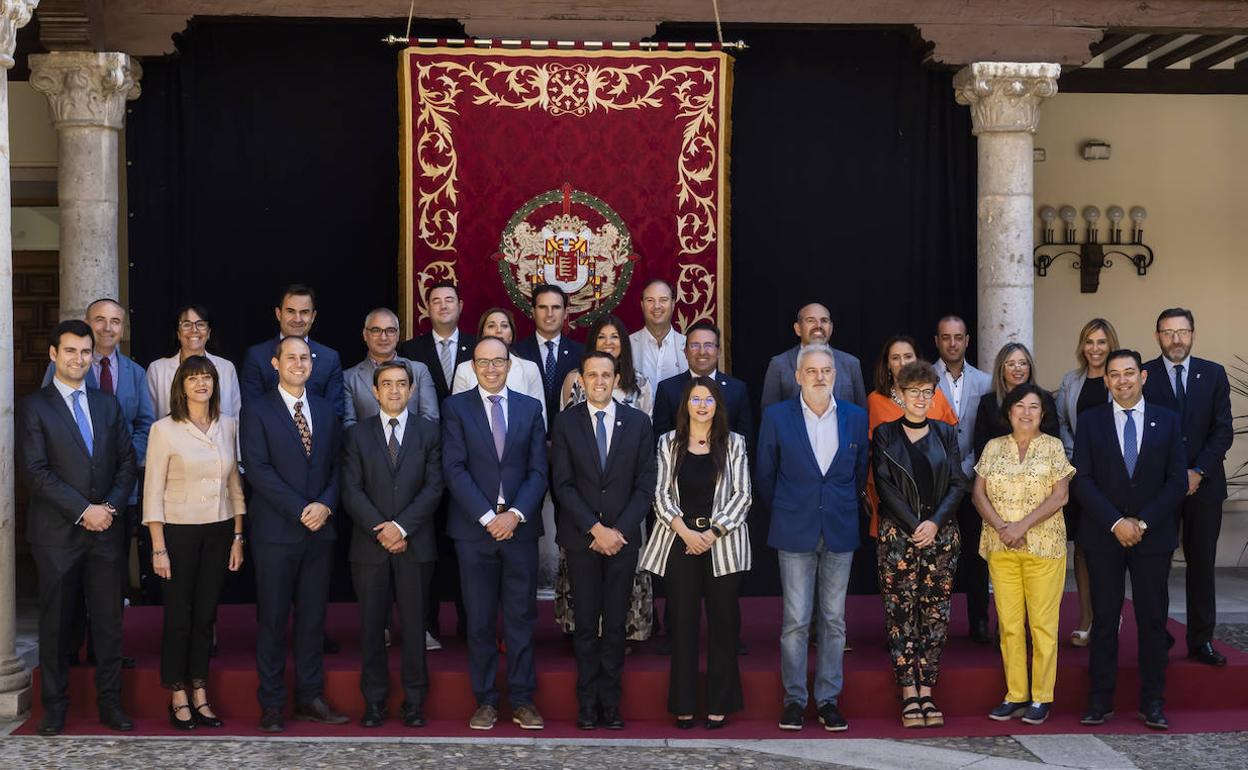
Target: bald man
(813, 326)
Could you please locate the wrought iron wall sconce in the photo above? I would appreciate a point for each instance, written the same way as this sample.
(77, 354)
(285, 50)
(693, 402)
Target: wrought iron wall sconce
(1091, 256)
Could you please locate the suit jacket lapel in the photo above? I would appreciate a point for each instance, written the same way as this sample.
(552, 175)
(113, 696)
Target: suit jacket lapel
(380, 433)
(798, 418)
(99, 428)
(287, 418)
(622, 422)
(60, 407)
(842, 430)
(477, 410)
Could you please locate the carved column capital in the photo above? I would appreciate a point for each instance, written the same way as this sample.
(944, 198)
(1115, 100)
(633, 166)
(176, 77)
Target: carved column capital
(1005, 96)
(13, 16)
(86, 88)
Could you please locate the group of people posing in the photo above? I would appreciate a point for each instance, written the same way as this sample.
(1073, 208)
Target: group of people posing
(435, 456)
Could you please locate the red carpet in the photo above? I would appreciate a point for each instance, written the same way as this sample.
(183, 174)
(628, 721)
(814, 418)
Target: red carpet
(1199, 698)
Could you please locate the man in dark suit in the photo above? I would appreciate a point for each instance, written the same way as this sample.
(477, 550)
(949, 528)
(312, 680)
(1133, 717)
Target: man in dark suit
(391, 486)
(445, 346)
(296, 312)
(554, 354)
(1131, 479)
(494, 463)
(77, 459)
(603, 470)
(290, 439)
(1201, 394)
(813, 326)
(702, 352)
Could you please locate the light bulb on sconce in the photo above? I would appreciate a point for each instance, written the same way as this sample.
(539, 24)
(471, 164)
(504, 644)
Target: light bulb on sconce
(1091, 215)
(1048, 214)
(1115, 214)
(1068, 214)
(1138, 215)
(1091, 255)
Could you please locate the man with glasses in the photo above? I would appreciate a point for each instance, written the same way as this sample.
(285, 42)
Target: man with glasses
(381, 336)
(702, 354)
(1199, 391)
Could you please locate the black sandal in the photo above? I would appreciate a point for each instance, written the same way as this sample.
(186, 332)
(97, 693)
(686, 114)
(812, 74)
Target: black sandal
(181, 724)
(932, 715)
(912, 713)
(203, 719)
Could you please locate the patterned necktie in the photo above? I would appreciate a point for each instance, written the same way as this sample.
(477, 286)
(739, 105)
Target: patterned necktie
(1130, 452)
(301, 425)
(601, 434)
(498, 424)
(548, 374)
(84, 427)
(448, 362)
(106, 376)
(393, 444)
(1180, 392)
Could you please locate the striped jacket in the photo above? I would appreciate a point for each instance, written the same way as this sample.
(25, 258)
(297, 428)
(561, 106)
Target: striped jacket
(731, 553)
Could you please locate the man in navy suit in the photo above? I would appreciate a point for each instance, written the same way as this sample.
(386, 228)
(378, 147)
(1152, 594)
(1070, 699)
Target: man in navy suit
(702, 352)
(1131, 478)
(445, 347)
(494, 464)
(811, 468)
(290, 439)
(554, 354)
(603, 469)
(295, 312)
(1201, 394)
(77, 459)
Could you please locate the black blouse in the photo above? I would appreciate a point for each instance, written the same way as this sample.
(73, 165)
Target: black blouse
(1092, 394)
(922, 469)
(696, 483)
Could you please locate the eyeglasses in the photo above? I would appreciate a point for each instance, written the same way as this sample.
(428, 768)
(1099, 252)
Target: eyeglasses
(1016, 365)
(1170, 334)
(186, 326)
(700, 346)
(924, 393)
(378, 331)
(486, 363)
(700, 401)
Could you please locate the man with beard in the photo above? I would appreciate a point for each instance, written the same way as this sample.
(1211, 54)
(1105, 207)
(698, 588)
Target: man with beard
(813, 326)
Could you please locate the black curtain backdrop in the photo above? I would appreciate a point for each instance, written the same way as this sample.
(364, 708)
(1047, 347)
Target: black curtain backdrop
(265, 152)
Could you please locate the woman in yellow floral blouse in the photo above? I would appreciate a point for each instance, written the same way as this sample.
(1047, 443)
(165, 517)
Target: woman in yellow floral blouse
(1021, 482)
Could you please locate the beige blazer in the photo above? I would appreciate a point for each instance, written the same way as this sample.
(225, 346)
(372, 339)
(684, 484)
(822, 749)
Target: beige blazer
(192, 477)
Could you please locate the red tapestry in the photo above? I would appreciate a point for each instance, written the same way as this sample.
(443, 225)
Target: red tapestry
(593, 170)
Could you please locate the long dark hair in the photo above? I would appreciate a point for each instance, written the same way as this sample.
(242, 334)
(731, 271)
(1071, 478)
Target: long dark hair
(718, 439)
(178, 408)
(883, 375)
(624, 363)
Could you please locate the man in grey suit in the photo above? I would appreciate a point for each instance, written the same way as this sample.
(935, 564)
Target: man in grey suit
(381, 335)
(813, 325)
(963, 386)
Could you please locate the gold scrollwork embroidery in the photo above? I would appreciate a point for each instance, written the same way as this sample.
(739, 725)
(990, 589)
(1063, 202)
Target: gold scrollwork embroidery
(695, 289)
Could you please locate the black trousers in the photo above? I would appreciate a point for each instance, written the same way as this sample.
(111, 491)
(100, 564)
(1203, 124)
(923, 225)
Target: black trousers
(972, 574)
(66, 573)
(1151, 597)
(1202, 523)
(690, 582)
(289, 574)
(76, 613)
(379, 586)
(199, 557)
(601, 591)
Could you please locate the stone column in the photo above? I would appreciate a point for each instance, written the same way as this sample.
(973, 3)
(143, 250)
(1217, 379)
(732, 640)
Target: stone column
(1004, 98)
(87, 94)
(14, 679)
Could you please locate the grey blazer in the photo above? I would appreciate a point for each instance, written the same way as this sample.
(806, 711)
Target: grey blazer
(975, 384)
(360, 403)
(780, 383)
(1067, 398)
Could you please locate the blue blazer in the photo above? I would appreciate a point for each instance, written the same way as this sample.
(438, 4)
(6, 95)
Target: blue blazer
(1154, 494)
(474, 474)
(258, 376)
(283, 479)
(667, 403)
(806, 504)
(1207, 428)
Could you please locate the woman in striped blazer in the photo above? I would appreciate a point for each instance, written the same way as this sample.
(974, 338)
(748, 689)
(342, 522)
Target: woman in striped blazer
(701, 544)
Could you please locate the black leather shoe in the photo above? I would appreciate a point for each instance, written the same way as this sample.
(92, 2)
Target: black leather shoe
(317, 710)
(271, 720)
(330, 647)
(1154, 718)
(412, 716)
(374, 715)
(685, 723)
(127, 662)
(53, 723)
(1207, 655)
(202, 719)
(175, 717)
(979, 632)
(611, 718)
(1096, 715)
(586, 718)
(114, 718)
(715, 724)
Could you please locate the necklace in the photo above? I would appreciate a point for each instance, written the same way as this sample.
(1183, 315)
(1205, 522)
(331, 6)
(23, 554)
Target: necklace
(914, 425)
(896, 398)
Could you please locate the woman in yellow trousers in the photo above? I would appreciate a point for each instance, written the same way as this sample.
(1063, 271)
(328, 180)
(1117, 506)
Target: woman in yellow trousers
(1021, 483)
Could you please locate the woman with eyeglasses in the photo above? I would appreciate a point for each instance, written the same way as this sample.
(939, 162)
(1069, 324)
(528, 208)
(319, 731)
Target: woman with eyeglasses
(701, 545)
(523, 377)
(1014, 366)
(1083, 387)
(918, 475)
(192, 332)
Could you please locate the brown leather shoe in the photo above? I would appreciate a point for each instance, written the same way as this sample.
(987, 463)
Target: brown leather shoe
(527, 717)
(483, 718)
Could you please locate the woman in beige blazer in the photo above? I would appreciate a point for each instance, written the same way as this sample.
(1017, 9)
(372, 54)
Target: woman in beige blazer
(193, 507)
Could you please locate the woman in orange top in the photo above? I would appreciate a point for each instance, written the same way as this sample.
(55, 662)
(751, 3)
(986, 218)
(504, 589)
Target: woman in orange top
(884, 403)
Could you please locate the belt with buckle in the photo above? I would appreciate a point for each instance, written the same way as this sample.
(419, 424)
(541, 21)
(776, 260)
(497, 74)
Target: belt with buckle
(700, 523)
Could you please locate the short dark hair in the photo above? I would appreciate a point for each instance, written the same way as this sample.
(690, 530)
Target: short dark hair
(488, 337)
(74, 326)
(704, 326)
(951, 317)
(1017, 393)
(670, 288)
(296, 290)
(917, 372)
(1176, 312)
(1125, 353)
(444, 284)
(392, 365)
(590, 355)
(548, 288)
(277, 349)
(179, 410)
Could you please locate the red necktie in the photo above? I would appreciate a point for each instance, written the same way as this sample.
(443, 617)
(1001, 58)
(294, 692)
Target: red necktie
(106, 376)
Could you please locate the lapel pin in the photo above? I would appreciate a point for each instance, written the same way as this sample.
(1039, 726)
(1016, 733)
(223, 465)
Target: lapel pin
(618, 423)
(1152, 425)
(1198, 375)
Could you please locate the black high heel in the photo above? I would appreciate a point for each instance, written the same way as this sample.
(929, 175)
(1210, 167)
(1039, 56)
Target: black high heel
(181, 724)
(684, 723)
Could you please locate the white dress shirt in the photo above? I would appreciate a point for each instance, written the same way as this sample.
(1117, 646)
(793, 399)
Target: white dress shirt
(609, 421)
(290, 405)
(955, 387)
(489, 417)
(823, 432)
(658, 359)
(389, 430)
(1187, 372)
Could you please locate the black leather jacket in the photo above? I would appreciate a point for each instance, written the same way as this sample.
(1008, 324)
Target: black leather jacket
(894, 476)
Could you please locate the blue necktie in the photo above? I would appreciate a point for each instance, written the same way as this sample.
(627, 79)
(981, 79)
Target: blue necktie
(1130, 452)
(84, 427)
(1180, 392)
(549, 373)
(601, 434)
(499, 426)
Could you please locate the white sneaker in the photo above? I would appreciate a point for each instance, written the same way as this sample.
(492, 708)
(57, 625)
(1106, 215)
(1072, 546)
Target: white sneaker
(431, 643)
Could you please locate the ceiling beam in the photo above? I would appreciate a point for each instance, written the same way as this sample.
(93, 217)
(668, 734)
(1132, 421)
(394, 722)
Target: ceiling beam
(1186, 51)
(1110, 40)
(1139, 50)
(1221, 55)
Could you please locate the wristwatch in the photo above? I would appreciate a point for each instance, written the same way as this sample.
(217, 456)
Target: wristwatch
(109, 507)
(238, 536)
(719, 530)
